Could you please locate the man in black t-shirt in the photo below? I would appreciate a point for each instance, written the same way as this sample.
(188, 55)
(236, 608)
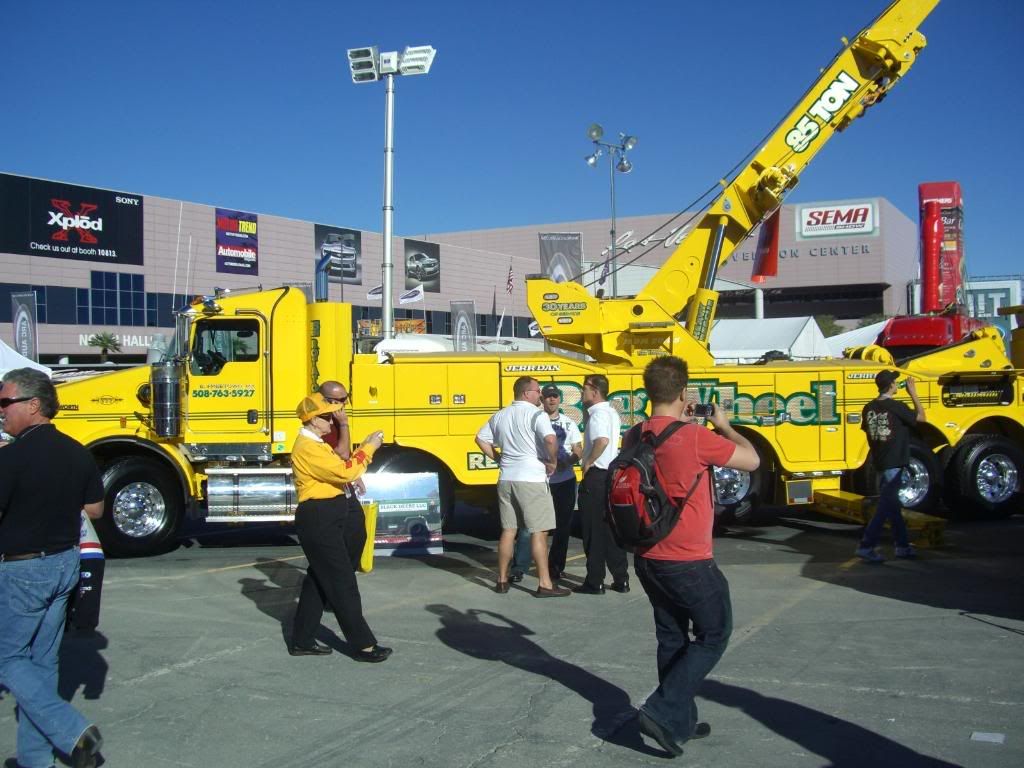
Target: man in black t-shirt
(46, 480)
(887, 423)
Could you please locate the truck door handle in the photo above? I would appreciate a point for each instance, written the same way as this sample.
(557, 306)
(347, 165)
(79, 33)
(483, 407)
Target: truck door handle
(252, 416)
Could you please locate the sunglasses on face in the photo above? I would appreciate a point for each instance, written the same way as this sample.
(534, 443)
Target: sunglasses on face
(9, 401)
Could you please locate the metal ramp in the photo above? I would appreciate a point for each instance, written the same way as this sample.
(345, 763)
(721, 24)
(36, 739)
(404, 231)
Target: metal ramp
(927, 531)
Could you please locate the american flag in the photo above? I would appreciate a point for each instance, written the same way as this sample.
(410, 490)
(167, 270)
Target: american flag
(508, 285)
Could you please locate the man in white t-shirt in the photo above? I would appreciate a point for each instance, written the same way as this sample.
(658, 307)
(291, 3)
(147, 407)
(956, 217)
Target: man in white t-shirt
(517, 437)
(600, 447)
(563, 489)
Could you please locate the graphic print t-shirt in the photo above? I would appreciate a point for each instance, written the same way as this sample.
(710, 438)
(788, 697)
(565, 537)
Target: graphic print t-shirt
(886, 422)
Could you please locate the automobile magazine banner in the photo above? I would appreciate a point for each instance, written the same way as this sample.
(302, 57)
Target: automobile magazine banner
(561, 255)
(66, 221)
(463, 326)
(237, 242)
(344, 244)
(23, 320)
(423, 265)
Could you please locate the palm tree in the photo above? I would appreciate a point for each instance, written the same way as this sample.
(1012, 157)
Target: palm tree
(107, 342)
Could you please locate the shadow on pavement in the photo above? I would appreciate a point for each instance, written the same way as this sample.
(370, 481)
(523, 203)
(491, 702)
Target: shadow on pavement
(277, 595)
(82, 666)
(503, 639)
(977, 572)
(840, 742)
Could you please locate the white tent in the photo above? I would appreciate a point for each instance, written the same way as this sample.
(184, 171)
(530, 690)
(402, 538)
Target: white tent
(745, 341)
(9, 360)
(858, 337)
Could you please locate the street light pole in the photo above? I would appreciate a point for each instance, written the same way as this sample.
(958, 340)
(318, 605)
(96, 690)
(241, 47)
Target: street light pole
(369, 65)
(614, 258)
(387, 266)
(615, 152)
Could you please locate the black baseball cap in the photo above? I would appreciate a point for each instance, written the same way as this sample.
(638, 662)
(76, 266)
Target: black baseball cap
(550, 390)
(884, 379)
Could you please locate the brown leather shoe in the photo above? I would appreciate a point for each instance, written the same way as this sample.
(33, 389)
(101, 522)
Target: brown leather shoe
(501, 587)
(86, 749)
(552, 592)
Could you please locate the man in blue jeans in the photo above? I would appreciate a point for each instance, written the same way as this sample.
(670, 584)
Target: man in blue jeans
(686, 589)
(46, 480)
(887, 423)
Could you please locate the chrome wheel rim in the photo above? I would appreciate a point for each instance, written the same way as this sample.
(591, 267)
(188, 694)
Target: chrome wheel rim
(996, 478)
(914, 483)
(731, 485)
(139, 510)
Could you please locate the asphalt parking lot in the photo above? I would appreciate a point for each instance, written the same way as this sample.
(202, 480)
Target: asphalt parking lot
(832, 662)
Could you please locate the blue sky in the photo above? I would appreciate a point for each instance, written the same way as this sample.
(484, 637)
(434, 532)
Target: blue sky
(249, 105)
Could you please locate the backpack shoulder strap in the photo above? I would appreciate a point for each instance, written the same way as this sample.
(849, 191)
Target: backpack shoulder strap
(667, 432)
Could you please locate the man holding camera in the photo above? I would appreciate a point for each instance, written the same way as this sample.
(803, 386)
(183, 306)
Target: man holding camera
(688, 592)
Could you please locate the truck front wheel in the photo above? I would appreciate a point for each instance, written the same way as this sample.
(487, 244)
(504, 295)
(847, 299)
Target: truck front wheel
(142, 508)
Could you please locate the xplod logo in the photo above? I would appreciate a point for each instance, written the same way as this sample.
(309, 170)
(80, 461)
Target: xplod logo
(78, 221)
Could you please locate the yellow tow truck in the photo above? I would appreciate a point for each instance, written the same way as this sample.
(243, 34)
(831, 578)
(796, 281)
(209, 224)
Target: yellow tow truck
(206, 433)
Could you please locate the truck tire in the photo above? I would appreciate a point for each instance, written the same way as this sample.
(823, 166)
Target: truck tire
(922, 480)
(390, 460)
(142, 508)
(739, 494)
(984, 477)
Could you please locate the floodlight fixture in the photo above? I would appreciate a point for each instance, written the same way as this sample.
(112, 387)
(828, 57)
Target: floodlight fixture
(416, 60)
(367, 65)
(363, 64)
(617, 161)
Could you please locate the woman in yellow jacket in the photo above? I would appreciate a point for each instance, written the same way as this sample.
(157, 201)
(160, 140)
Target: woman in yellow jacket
(332, 535)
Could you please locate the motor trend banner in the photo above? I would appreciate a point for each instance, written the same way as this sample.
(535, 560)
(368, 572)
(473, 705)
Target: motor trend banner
(237, 242)
(23, 321)
(344, 244)
(66, 221)
(561, 255)
(423, 265)
(836, 220)
(463, 326)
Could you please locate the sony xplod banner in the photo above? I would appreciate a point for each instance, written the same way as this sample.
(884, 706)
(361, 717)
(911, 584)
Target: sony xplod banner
(237, 242)
(66, 221)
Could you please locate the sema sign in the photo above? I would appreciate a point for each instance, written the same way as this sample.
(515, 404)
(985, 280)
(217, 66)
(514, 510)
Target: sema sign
(833, 220)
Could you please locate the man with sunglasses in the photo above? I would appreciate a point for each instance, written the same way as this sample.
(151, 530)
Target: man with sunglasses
(46, 480)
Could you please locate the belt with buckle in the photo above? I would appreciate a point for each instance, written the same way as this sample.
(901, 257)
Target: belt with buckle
(12, 558)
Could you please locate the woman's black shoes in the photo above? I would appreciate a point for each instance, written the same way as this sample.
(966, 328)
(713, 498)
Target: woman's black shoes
(375, 655)
(316, 649)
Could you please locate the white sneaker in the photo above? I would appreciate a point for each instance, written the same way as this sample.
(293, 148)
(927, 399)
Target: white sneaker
(907, 553)
(869, 555)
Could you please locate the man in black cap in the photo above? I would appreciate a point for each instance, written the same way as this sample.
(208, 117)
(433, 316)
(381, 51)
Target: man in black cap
(887, 423)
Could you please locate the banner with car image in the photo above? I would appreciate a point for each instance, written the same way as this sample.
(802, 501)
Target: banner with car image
(346, 246)
(423, 265)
